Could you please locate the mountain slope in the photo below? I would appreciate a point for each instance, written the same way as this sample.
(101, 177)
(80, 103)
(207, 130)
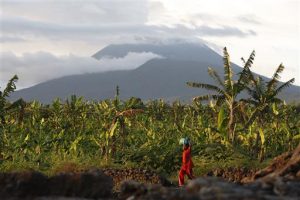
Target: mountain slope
(177, 51)
(158, 78)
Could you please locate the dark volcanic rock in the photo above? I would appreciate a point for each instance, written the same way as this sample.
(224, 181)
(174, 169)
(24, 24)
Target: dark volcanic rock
(129, 188)
(211, 188)
(135, 174)
(92, 184)
(23, 184)
(134, 190)
(235, 175)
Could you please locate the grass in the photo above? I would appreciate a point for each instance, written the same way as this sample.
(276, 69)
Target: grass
(53, 164)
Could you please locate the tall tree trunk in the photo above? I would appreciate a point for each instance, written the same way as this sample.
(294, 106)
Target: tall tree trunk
(256, 147)
(230, 124)
(123, 132)
(3, 120)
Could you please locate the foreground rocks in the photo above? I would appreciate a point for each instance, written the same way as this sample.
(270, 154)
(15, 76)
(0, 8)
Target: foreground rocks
(286, 165)
(135, 174)
(91, 184)
(236, 175)
(210, 188)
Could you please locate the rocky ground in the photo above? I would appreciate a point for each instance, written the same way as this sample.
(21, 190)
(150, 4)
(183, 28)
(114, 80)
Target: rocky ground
(235, 175)
(92, 184)
(139, 175)
(280, 180)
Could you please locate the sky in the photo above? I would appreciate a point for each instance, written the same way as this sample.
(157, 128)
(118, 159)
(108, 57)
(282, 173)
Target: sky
(45, 39)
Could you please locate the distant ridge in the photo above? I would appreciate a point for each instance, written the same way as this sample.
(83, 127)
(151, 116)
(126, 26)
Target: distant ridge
(176, 51)
(158, 78)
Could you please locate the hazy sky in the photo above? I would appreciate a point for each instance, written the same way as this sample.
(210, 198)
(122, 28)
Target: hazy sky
(44, 39)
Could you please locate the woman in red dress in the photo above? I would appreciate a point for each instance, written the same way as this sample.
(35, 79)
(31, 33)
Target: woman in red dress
(187, 163)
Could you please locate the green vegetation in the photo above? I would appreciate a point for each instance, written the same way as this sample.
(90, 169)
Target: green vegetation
(227, 131)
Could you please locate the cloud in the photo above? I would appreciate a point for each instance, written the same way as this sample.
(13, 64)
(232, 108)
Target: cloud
(5, 39)
(78, 11)
(225, 31)
(33, 68)
(84, 26)
(54, 31)
(162, 40)
(33, 28)
(250, 19)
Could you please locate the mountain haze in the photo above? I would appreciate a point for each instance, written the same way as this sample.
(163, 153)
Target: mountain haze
(173, 51)
(158, 78)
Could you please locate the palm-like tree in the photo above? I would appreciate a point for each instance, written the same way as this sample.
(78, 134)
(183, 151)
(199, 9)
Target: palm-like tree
(120, 113)
(227, 89)
(264, 94)
(5, 105)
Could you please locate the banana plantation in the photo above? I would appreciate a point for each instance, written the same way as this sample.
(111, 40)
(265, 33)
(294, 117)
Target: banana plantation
(223, 126)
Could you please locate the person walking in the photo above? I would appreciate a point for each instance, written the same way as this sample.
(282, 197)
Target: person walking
(187, 163)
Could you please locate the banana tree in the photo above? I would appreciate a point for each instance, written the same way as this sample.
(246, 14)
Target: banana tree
(5, 105)
(120, 119)
(120, 112)
(262, 96)
(228, 89)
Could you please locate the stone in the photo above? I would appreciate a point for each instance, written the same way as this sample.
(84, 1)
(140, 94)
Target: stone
(29, 184)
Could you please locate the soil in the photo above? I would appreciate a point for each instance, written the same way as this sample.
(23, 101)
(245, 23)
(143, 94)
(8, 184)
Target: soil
(286, 165)
(137, 174)
(236, 175)
(280, 180)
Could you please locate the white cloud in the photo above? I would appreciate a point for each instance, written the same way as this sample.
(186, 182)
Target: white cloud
(37, 67)
(5, 39)
(54, 31)
(90, 25)
(78, 11)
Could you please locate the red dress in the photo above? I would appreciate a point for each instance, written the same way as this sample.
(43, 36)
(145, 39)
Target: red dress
(187, 166)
